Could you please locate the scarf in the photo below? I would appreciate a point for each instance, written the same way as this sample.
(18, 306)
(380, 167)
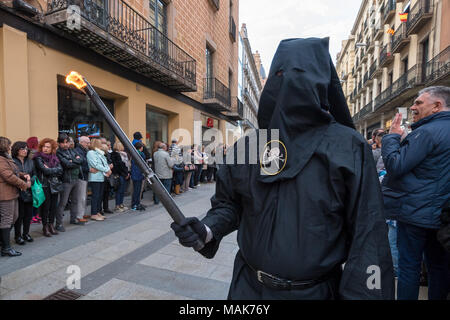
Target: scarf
(51, 160)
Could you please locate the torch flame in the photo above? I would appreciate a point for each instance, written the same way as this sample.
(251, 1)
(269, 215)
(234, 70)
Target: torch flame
(76, 79)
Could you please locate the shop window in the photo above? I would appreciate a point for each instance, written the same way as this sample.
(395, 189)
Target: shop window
(78, 116)
(157, 127)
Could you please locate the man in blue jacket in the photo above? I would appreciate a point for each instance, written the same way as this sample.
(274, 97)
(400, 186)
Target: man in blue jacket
(415, 189)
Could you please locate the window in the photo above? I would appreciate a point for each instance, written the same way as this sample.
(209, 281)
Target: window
(405, 64)
(209, 72)
(77, 115)
(158, 15)
(157, 125)
(209, 63)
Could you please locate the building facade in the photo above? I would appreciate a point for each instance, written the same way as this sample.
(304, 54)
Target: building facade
(260, 67)
(394, 60)
(160, 66)
(249, 85)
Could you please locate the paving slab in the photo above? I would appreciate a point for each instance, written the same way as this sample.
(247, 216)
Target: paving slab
(116, 289)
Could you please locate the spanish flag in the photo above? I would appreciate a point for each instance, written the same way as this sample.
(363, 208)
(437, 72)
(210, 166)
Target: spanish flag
(391, 31)
(403, 17)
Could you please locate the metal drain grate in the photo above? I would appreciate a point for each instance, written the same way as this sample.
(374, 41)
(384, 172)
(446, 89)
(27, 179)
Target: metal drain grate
(64, 294)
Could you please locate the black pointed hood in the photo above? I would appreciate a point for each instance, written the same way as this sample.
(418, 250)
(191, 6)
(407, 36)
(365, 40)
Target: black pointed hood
(301, 96)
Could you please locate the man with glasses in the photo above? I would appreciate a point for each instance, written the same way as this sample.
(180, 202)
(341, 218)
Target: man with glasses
(415, 189)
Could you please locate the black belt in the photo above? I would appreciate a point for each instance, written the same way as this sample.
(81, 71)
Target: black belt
(274, 282)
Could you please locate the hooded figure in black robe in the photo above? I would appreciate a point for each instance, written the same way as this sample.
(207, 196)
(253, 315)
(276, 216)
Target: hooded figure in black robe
(320, 209)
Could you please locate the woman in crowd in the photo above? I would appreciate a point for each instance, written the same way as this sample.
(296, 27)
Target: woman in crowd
(49, 172)
(98, 170)
(19, 152)
(155, 148)
(137, 177)
(121, 168)
(11, 181)
(33, 144)
(189, 168)
(106, 145)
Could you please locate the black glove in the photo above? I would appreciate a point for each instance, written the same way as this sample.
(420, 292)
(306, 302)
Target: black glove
(186, 237)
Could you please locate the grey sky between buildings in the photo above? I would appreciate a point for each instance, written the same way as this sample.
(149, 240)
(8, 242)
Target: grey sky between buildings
(269, 22)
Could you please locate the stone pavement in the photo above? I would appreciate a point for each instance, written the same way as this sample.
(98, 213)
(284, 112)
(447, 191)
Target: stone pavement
(130, 255)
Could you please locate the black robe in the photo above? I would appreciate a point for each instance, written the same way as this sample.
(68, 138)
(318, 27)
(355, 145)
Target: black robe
(325, 209)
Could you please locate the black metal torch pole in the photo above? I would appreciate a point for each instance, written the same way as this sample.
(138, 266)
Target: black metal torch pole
(155, 183)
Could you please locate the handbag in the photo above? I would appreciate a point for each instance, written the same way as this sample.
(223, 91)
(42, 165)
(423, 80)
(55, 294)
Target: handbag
(114, 181)
(56, 185)
(37, 193)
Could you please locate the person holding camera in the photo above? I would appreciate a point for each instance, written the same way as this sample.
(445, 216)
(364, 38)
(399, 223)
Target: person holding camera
(25, 165)
(49, 172)
(11, 181)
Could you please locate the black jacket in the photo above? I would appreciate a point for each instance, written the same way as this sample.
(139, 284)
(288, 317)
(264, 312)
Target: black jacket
(44, 174)
(119, 166)
(70, 161)
(82, 152)
(26, 167)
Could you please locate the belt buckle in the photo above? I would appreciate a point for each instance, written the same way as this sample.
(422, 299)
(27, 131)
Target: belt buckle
(260, 273)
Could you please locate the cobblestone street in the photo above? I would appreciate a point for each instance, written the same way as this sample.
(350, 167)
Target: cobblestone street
(131, 255)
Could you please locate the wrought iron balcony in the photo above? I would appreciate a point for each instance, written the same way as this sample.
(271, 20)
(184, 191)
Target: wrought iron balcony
(366, 110)
(386, 55)
(215, 4)
(232, 29)
(407, 81)
(389, 10)
(216, 95)
(372, 69)
(237, 110)
(400, 39)
(366, 77)
(379, 31)
(421, 13)
(115, 30)
(438, 68)
(356, 117)
(364, 55)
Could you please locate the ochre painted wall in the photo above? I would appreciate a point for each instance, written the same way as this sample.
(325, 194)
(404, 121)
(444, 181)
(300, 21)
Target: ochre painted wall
(14, 97)
(29, 100)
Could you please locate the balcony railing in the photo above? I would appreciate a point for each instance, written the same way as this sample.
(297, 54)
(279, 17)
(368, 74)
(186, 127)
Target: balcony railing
(237, 110)
(400, 39)
(232, 29)
(383, 97)
(385, 55)
(389, 10)
(366, 110)
(117, 31)
(366, 77)
(420, 14)
(372, 69)
(407, 81)
(216, 94)
(438, 67)
(215, 4)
